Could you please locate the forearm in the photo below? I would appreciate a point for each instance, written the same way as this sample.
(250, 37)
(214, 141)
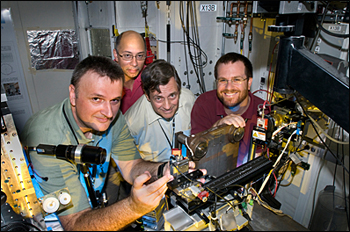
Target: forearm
(114, 217)
(134, 168)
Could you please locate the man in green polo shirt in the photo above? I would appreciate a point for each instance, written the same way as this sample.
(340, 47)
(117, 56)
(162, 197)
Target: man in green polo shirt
(91, 116)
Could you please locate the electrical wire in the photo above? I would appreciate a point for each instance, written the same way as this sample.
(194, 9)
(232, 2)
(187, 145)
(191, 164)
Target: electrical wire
(188, 79)
(30, 164)
(264, 204)
(275, 164)
(183, 42)
(270, 104)
(331, 33)
(290, 182)
(320, 136)
(281, 127)
(283, 173)
(261, 90)
(205, 187)
(274, 194)
(288, 161)
(191, 43)
(316, 183)
(318, 30)
(264, 104)
(326, 134)
(196, 55)
(34, 172)
(268, 76)
(336, 163)
(344, 187)
(285, 147)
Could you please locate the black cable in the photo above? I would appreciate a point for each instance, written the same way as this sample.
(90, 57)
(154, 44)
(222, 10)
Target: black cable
(320, 136)
(314, 196)
(344, 185)
(332, 214)
(336, 163)
(286, 185)
(287, 161)
(34, 172)
(325, 30)
(283, 173)
(194, 57)
(333, 131)
(184, 40)
(195, 32)
(331, 33)
(189, 48)
(187, 71)
(188, 44)
(318, 30)
(185, 43)
(318, 175)
(30, 164)
(190, 40)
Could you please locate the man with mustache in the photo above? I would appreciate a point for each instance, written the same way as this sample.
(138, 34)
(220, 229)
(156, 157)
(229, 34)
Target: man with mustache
(231, 102)
(162, 111)
(91, 116)
(130, 54)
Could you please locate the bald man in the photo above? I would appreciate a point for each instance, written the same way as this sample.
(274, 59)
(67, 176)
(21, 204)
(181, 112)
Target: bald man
(130, 54)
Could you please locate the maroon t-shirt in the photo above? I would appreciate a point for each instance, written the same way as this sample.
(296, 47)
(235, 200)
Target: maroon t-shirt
(208, 109)
(130, 97)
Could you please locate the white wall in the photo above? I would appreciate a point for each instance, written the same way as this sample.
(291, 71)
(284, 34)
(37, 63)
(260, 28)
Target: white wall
(129, 16)
(45, 87)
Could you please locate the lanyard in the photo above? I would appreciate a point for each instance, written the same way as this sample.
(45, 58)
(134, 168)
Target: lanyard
(85, 170)
(171, 144)
(70, 126)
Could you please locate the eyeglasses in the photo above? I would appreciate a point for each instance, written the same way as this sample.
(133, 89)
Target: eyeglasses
(235, 81)
(129, 57)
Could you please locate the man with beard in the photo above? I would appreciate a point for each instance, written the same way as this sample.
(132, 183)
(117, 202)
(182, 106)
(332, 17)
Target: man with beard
(231, 103)
(130, 54)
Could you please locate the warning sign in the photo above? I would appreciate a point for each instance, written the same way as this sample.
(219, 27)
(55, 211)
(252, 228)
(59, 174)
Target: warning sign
(259, 135)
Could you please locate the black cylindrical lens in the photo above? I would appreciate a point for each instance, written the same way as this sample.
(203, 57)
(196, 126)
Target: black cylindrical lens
(65, 152)
(93, 155)
(81, 153)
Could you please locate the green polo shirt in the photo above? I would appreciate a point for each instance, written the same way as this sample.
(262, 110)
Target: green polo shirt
(50, 127)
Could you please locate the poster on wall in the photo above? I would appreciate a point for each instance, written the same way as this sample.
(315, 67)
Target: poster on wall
(12, 76)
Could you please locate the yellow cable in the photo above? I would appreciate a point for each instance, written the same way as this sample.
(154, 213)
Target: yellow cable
(264, 204)
(328, 136)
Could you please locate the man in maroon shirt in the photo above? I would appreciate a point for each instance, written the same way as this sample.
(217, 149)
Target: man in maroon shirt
(130, 54)
(231, 103)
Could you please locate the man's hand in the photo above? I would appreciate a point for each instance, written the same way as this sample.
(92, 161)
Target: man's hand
(144, 198)
(191, 168)
(231, 119)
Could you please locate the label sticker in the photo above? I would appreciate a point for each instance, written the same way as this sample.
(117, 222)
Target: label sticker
(207, 7)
